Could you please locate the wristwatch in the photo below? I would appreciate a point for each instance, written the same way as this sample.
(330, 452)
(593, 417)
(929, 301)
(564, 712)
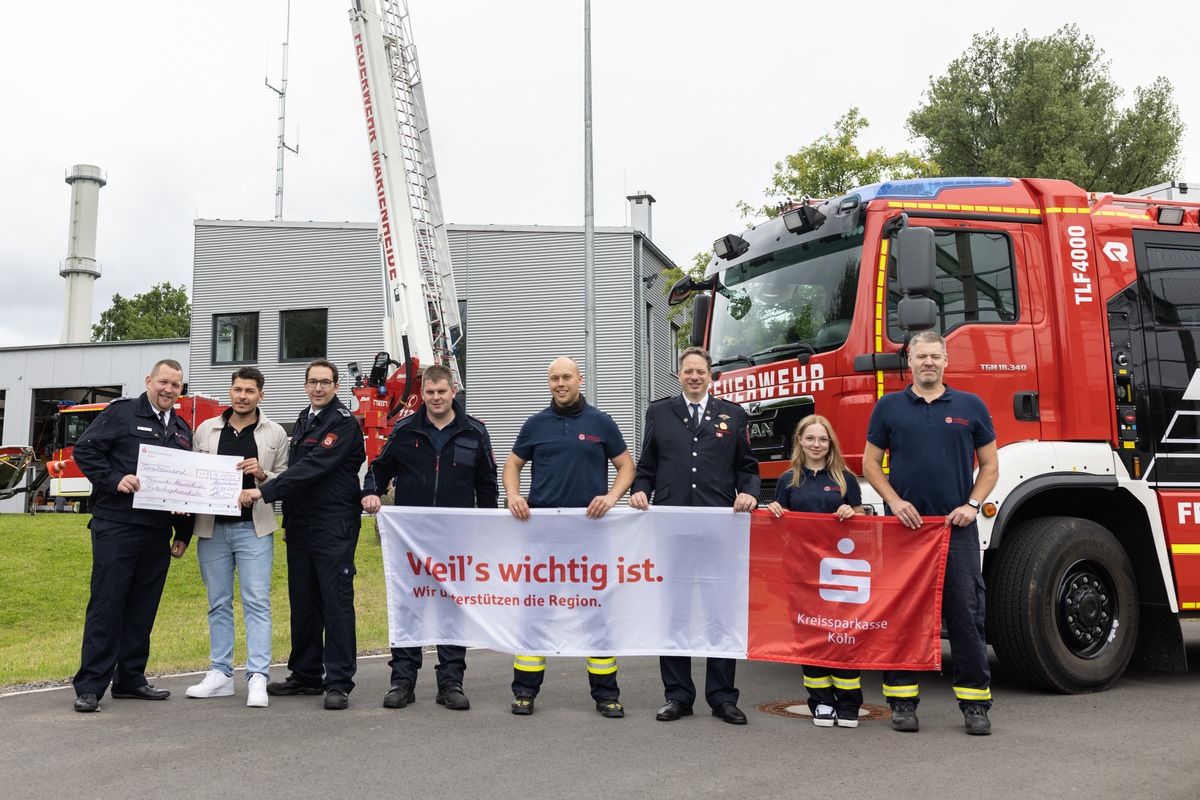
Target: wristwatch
(973, 503)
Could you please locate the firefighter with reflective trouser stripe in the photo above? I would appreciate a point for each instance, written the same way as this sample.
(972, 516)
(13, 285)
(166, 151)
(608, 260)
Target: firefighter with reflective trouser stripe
(820, 483)
(933, 436)
(570, 445)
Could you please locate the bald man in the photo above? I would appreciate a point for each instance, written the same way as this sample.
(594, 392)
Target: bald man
(570, 445)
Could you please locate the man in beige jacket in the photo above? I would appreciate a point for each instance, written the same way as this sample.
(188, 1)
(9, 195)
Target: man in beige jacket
(241, 543)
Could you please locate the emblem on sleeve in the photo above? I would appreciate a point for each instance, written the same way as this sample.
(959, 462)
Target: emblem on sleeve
(329, 440)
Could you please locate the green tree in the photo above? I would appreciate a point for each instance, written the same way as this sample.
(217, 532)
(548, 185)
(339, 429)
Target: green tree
(1047, 108)
(161, 313)
(833, 165)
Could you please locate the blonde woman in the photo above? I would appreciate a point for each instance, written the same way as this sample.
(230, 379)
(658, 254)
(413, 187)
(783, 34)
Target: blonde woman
(819, 483)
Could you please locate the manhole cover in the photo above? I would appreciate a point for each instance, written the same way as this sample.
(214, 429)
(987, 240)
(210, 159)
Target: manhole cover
(798, 709)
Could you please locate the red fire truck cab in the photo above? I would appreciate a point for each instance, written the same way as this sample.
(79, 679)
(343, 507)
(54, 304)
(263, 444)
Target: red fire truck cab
(1075, 318)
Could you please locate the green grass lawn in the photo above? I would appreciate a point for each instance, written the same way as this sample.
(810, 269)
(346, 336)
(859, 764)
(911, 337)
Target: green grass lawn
(45, 568)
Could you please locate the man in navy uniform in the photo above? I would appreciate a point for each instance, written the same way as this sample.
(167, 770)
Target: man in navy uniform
(321, 516)
(131, 547)
(696, 452)
(570, 444)
(438, 457)
(934, 435)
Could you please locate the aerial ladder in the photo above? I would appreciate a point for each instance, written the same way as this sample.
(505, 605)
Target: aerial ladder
(421, 307)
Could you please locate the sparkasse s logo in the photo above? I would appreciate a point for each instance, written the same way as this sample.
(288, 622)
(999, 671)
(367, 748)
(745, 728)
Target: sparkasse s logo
(845, 580)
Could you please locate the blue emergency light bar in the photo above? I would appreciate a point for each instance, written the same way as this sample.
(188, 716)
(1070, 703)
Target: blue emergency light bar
(925, 188)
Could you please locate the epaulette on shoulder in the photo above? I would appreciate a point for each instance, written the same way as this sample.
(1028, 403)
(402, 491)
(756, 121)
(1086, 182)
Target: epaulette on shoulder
(118, 399)
(345, 412)
(663, 399)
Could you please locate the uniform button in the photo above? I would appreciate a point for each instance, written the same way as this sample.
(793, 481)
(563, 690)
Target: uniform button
(695, 439)
(693, 469)
(693, 486)
(694, 455)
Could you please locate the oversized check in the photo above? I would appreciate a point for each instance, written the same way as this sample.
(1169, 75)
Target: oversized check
(192, 483)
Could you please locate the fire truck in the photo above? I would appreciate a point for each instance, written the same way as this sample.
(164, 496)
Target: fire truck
(1075, 317)
(421, 318)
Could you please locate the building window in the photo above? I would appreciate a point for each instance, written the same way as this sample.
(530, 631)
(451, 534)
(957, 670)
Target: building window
(235, 338)
(303, 334)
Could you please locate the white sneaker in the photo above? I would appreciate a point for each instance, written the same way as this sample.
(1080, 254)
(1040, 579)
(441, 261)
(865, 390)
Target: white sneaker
(824, 717)
(258, 691)
(215, 684)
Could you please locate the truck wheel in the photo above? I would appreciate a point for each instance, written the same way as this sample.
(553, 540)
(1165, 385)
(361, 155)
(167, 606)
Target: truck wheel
(1062, 605)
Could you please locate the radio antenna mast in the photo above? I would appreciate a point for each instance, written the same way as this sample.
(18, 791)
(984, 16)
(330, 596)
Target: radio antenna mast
(282, 92)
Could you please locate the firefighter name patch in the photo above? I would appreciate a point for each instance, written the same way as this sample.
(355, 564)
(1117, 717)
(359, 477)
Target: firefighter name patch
(329, 440)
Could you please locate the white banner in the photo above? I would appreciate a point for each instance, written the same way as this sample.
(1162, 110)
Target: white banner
(663, 581)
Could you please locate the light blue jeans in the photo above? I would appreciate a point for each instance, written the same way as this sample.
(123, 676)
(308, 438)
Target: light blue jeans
(235, 547)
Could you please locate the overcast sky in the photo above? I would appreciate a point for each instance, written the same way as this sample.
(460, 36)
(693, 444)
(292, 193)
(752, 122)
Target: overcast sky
(694, 101)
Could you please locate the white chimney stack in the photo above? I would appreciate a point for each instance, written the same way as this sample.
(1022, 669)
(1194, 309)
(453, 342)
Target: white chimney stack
(81, 269)
(639, 213)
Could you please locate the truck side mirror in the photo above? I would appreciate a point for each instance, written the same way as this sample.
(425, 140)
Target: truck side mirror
(700, 318)
(916, 313)
(915, 255)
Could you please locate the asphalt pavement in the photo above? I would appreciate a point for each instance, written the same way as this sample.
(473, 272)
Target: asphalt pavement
(1138, 740)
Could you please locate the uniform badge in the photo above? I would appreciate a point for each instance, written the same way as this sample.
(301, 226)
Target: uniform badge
(329, 440)
(582, 437)
(722, 426)
(722, 416)
(949, 420)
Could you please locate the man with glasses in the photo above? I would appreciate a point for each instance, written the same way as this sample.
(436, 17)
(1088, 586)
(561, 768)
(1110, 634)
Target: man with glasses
(321, 517)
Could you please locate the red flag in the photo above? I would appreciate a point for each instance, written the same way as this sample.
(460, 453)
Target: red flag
(865, 593)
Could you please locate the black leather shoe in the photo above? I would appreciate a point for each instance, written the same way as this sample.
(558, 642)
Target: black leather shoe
(730, 713)
(87, 703)
(291, 686)
(453, 699)
(336, 700)
(146, 692)
(399, 696)
(673, 710)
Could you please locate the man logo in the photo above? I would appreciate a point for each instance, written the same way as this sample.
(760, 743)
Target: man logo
(838, 573)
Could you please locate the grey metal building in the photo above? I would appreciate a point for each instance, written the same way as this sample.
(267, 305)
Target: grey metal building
(276, 294)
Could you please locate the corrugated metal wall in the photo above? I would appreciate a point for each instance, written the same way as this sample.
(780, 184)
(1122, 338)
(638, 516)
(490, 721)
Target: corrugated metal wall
(273, 267)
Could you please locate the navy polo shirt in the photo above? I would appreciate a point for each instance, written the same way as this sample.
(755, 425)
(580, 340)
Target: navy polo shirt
(569, 455)
(931, 446)
(818, 492)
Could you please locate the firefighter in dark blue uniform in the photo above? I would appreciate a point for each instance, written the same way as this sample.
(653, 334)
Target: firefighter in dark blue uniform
(131, 547)
(696, 452)
(321, 517)
(438, 457)
(570, 444)
(933, 435)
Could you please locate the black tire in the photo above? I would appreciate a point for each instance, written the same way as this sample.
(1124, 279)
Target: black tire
(1062, 611)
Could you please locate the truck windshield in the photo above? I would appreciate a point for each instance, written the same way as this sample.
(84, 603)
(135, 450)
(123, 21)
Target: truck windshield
(796, 300)
(72, 425)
